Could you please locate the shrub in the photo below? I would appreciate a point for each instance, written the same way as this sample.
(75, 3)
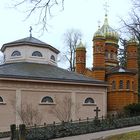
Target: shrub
(132, 109)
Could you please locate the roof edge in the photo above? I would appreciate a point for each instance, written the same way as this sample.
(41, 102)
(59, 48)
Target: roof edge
(54, 81)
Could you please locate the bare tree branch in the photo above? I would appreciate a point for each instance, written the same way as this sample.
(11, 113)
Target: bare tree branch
(62, 109)
(133, 28)
(71, 39)
(43, 8)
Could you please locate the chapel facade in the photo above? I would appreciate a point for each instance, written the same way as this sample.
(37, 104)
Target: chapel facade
(123, 81)
(31, 83)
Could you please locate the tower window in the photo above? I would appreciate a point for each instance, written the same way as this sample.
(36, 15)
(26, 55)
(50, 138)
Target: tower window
(121, 84)
(113, 85)
(132, 85)
(89, 101)
(37, 53)
(106, 54)
(1, 99)
(52, 57)
(128, 84)
(115, 56)
(111, 55)
(16, 53)
(47, 99)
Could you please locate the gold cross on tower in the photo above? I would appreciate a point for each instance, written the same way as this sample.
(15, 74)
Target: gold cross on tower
(106, 7)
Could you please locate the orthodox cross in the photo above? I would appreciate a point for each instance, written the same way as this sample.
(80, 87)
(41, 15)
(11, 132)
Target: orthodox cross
(97, 110)
(30, 31)
(106, 6)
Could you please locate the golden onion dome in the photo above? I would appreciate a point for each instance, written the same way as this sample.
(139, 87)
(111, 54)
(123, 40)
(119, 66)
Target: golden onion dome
(80, 46)
(109, 33)
(98, 34)
(132, 40)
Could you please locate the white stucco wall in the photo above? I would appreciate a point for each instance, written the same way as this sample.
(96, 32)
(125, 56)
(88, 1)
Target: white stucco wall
(16, 94)
(26, 55)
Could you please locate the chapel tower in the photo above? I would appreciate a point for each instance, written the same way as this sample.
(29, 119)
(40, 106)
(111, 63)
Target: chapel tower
(132, 63)
(122, 81)
(111, 45)
(132, 52)
(80, 58)
(99, 55)
(105, 46)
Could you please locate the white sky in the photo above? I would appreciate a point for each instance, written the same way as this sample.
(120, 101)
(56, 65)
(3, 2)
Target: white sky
(78, 14)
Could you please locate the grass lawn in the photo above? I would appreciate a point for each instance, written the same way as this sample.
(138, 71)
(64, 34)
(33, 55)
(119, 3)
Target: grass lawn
(127, 136)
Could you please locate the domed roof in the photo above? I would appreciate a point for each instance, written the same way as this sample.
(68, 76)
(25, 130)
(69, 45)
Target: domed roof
(108, 32)
(80, 46)
(132, 40)
(99, 34)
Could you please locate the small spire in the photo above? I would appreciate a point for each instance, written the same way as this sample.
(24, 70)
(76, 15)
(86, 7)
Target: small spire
(106, 6)
(99, 22)
(30, 31)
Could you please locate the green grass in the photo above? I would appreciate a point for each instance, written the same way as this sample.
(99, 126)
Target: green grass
(127, 136)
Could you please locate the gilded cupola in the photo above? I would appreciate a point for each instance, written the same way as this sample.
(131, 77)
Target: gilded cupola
(80, 46)
(98, 34)
(110, 34)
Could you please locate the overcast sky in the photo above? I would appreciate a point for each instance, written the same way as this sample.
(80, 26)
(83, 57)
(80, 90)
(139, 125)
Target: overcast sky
(78, 14)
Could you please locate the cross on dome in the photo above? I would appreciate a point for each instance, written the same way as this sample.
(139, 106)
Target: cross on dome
(106, 7)
(30, 31)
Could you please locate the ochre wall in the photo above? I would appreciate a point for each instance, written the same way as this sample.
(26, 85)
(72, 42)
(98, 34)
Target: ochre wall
(132, 57)
(99, 74)
(80, 60)
(118, 98)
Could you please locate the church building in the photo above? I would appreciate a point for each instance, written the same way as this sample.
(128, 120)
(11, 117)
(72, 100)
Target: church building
(33, 89)
(123, 82)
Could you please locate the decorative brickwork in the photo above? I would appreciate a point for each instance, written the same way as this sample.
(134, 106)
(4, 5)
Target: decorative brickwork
(123, 82)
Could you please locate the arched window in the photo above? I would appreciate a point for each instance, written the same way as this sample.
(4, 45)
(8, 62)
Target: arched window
(111, 55)
(52, 57)
(89, 101)
(1, 99)
(37, 53)
(16, 53)
(106, 54)
(47, 99)
(115, 56)
(132, 85)
(113, 85)
(121, 84)
(128, 84)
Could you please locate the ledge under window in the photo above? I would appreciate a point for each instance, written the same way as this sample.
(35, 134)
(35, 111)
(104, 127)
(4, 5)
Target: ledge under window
(89, 104)
(2, 103)
(47, 103)
(14, 57)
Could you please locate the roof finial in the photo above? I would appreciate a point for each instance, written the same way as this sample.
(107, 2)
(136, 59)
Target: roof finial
(99, 22)
(106, 6)
(30, 31)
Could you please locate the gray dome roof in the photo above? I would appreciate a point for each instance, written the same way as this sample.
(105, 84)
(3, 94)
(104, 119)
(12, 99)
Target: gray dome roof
(29, 41)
